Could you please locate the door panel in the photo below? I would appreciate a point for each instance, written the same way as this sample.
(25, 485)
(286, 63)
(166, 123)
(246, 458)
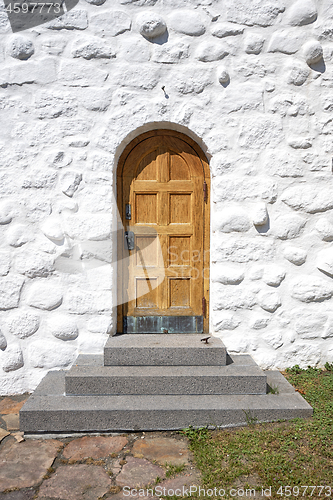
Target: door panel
(165, 275)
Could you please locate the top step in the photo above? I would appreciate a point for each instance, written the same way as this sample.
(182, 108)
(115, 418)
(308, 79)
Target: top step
(164, 349)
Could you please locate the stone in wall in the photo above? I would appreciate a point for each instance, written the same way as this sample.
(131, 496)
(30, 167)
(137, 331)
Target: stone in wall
(170, 53)
(88, 226)
(300, 142)
(301, 12)
(54, 104)
(295, 255)
(223, 75)
(100, 324)
(12, 358)
(301, 353)
(297, 73)
(188, 22)
(60, 159)
(54, 47)
(234, 219)
(62, 327)
(39, 179)
(254, 13)
(208, 52)
(269, 301)
(19, 234)
(3, 342)
(228, 275)
(230, 189)
(243, 249)
(310, 198)
(73, 20)
(81, 75)
(44, 295)
(93, 48)
(134, 49)
(5, 262)
(33, 263)
(81, 301)
(110, 23)
(192, 80)
(313, 52)
(311, 289)
(259, 214)
(22, 323)
(259, 133)
(151, 25)
(287, 227)
(325, 261)
(93, 99)
(221, 30)
(253, 43)
(6, 212)
(52, 228)
(274, 275)
(226, 321)
(10, 291)
(286, 41)
(50, 354)
(282, 164)
(258, 322)
(20, 47)
(309, 325)
(230, 299)
(70, 182)
(273, 339)
(325, 228)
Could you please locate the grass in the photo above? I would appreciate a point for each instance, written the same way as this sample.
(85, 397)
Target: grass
(294, 453)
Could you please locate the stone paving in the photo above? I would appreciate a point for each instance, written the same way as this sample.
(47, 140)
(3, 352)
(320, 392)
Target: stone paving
(89, 467)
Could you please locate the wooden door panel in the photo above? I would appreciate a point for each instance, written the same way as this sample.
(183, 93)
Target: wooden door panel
(162, 179)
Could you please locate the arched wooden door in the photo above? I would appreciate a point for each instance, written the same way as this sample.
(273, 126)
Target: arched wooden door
(163, 245)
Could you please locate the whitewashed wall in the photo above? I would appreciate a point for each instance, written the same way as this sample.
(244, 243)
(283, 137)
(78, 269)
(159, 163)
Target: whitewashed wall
(251, 81)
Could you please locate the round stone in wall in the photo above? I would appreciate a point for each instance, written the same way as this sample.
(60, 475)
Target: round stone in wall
(3, 342)
(20, 47)
(63, 327)
(13, 358)
(151, 25)
(223, 75)
(187, 22)
(313, 52)
(22, 324)
(96, 2)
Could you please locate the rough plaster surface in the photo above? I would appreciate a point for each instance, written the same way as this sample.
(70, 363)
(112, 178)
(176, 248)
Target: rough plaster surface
(250, 81)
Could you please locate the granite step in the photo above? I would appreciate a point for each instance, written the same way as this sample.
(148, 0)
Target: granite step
(162, 350)
(48, 410)
(163, 380)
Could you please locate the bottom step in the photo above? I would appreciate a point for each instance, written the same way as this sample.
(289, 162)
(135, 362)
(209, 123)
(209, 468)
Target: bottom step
(48, 410)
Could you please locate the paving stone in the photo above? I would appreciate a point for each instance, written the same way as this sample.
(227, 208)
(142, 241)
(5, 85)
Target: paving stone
(3, 434)
(23, 465)
(138, 472)
(76, 482)
(94, 447)
(12, 422)
(18, 495)
(8, 406)
(178, 483)
(163, 450)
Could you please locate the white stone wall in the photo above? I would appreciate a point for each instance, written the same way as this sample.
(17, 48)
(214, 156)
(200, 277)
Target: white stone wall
(251, 82)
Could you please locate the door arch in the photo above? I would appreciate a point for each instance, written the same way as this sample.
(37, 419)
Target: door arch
(163, 192)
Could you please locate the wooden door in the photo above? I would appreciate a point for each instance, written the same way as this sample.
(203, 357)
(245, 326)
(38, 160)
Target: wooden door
(163, 200)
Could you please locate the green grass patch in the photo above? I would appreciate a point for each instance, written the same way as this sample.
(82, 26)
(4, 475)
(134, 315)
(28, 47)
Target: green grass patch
(293, 453)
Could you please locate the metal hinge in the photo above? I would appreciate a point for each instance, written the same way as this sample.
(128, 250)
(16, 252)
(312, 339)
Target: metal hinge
(203, 306)
(205, 191)
(125, 324)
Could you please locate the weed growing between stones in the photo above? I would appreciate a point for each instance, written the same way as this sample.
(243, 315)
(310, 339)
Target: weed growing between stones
(297, 452)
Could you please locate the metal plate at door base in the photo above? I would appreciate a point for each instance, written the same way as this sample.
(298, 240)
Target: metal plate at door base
(163, 324)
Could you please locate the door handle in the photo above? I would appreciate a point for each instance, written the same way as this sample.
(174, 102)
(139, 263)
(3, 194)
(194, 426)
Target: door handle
(129, 240)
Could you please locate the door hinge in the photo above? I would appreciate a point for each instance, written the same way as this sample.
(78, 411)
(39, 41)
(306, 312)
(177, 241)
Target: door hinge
(128, 211)
(203, 306)
(205, 191)
(125, 324)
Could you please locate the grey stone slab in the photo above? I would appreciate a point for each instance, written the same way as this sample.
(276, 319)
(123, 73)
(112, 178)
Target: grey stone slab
(230, 379)
(276, 380)
(133, 413)
(90, 359)
(151, 349)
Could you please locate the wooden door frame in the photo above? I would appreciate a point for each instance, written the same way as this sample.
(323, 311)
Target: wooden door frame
(206, 231)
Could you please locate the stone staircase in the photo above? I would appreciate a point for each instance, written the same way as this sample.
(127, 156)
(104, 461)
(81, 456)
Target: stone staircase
(159, 382)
